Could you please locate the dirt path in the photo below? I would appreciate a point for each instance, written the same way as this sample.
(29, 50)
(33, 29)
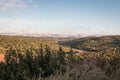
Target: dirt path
(80, 51)
(1, 57)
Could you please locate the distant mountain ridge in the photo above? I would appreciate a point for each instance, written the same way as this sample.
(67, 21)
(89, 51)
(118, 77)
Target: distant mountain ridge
(47, 34)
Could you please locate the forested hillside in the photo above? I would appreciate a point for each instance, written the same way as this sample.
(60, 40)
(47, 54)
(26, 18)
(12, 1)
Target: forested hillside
(95, 44)
(22, 43)
(29, 58)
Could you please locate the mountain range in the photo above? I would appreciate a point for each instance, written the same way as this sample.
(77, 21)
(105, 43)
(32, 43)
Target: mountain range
(47, 34)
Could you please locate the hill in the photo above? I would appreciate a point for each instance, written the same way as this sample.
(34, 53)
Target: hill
(47, 63)
(22, 42)
(95, 44)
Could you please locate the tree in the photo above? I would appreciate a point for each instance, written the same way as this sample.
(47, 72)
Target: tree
(61, 60)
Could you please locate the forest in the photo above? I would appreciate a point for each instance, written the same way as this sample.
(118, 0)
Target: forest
(33, 58)
(95, 44)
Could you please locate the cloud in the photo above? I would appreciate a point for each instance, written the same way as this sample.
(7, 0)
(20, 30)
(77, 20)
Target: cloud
(13, 4)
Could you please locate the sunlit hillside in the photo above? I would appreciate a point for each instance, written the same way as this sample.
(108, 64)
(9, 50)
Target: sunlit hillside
(95, 44)
(33, 58)
(23, 43)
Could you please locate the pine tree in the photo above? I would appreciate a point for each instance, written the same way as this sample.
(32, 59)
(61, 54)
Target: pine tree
(61, 60)
(71, 56)
(47, 67)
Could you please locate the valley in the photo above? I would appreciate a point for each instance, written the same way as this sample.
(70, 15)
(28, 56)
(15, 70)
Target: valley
(69, 58)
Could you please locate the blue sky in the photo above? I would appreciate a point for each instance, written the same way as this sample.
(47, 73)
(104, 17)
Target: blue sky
(60, 16)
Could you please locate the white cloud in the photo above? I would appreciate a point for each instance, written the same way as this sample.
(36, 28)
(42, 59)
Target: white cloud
(13, 4)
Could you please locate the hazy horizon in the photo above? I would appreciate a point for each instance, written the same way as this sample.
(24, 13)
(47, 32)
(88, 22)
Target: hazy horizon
(60, 16)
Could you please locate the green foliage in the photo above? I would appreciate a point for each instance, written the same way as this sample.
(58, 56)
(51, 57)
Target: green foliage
(50, 64)
(29, 59)
(23, 43)
(30, 65)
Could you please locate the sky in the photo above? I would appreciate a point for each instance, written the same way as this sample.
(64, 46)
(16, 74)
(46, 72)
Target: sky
(60, 16)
